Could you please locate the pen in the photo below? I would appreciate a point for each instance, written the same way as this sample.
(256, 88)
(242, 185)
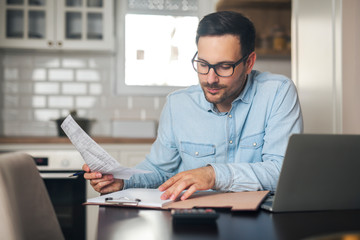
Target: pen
(77, 174)
(122, 200)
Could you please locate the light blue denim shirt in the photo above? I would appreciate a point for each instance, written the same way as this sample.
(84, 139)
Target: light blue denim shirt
(245, 146)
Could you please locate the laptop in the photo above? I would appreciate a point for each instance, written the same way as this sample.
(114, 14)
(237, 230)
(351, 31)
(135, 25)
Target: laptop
(319, 172)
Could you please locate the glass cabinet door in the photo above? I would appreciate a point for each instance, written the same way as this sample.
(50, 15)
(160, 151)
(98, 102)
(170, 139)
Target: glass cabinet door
(25, 19)
(94, 26)
(57, 24)
(36, 24)
(83, 19)
(73, 25)
(26, 24)
(14, 23)
(95, 20)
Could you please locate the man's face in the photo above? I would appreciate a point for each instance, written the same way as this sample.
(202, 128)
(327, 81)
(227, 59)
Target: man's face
(221, 91)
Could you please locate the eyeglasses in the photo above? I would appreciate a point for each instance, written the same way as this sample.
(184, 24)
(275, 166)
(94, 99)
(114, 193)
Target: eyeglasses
(222, 69)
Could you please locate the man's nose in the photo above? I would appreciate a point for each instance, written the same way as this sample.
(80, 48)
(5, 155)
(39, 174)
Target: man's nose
(212, 77)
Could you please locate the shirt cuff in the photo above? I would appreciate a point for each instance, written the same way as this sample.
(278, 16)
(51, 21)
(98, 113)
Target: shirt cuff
(126, 185)
(223, 177)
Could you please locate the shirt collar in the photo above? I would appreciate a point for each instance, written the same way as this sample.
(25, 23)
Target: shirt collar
(245, 96)
(247, 93)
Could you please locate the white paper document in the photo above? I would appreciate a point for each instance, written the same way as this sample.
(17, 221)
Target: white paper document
(142, 197)
(94, 155)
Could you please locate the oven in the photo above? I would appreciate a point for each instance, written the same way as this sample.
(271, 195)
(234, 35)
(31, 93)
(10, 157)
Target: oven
(67, 194)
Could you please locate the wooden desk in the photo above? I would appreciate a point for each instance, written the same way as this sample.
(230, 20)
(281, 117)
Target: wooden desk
(133, 223)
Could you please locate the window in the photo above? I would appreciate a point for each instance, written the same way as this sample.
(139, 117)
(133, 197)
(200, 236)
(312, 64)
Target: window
(156, 41)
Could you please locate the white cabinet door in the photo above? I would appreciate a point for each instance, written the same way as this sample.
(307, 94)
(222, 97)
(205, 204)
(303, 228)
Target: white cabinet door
(131, 158)
(26, 23)
(58, 25)
(85, 24)
(128, 155)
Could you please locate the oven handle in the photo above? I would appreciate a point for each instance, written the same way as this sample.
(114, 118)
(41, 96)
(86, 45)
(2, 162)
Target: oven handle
(57, 176)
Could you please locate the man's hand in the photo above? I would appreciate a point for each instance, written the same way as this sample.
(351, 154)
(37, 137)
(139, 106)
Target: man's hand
(102, 183)
(193, 180)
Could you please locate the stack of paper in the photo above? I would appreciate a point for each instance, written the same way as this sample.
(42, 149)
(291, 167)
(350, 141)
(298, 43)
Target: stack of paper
(150, 198)
(143, 197)
(95, 156)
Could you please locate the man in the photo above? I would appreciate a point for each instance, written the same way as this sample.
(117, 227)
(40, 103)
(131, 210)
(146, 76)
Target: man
(228, 133)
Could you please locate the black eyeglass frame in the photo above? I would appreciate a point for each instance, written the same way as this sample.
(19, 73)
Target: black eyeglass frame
(213, 66)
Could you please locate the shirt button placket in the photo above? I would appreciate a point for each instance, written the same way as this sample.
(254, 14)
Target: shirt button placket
(231, 131)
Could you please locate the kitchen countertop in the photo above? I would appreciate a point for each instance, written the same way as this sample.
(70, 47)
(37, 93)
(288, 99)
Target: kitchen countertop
(62, 140)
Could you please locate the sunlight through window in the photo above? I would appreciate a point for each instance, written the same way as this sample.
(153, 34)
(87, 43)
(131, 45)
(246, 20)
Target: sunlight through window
(158, 50)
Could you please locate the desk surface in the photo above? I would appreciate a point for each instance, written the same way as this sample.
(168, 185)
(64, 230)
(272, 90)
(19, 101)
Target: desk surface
(133, 223)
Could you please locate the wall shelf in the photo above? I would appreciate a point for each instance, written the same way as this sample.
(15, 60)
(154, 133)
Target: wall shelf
(272, 20)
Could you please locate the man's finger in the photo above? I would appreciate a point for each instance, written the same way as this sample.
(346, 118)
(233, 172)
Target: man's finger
(86, 168)
(98, 186)
(168, 183)
(164, 196)
(93, 175)
(178, 188)
(104, 178)
(103, 184)
(189, 192)
(114, 186)
(174, 191)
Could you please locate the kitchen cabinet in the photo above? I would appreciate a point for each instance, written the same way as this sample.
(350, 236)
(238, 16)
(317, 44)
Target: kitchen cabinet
(272, 20)
(128, 155)
(57, 24)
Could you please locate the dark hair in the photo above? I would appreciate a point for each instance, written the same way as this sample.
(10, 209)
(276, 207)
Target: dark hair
(227, 22)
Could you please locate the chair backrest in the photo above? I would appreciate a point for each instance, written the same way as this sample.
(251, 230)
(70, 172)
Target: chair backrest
(25, 207)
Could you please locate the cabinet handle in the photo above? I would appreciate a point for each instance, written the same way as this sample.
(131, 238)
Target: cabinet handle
(59, 44)
(50, 43)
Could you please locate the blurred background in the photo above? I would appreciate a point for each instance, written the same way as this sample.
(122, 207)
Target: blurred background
(111, 63)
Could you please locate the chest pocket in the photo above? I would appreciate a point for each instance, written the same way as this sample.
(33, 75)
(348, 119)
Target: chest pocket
(198, 150)
(253, 141)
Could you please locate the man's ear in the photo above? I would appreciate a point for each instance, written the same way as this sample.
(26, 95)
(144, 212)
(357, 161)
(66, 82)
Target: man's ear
(250, 61)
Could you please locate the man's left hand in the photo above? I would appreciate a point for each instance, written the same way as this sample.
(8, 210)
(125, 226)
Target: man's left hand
(193, 180)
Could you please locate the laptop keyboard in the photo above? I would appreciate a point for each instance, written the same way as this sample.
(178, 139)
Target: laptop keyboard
(270, 198)
(268, 201)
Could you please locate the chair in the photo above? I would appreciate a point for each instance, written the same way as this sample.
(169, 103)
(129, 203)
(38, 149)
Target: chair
(25, 207)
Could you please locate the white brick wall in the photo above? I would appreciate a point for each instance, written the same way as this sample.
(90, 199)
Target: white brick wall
(37, 88)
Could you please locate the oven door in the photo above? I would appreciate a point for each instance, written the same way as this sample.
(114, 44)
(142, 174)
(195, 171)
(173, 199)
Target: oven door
(67, 195)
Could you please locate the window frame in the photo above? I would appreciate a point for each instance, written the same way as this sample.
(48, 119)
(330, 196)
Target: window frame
(205, 7)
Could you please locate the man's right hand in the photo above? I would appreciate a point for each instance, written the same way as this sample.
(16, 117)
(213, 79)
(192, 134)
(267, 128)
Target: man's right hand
(103, 183)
